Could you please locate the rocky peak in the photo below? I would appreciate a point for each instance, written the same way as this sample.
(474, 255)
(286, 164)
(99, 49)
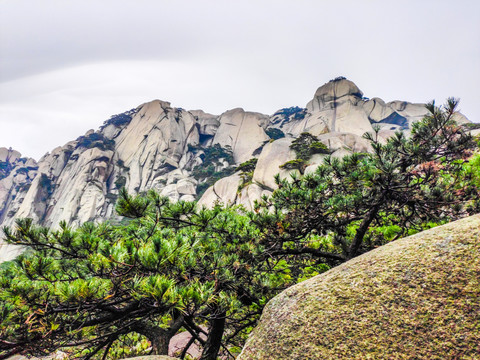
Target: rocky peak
(339, 89)
(16, 177)
(9, 155)
(181, 153)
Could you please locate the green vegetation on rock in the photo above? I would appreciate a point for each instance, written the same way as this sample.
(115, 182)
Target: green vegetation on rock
(95, 140)
(293, 112)
(216, 164)
(274, 133)
(471, 126)
(246, 172)
(120, 119)
(304, 146)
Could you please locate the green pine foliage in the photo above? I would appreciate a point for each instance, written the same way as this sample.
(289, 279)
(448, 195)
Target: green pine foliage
(274, 133)
(105, 291)
(246, 170)
(171, 266)
(304, 146)
(293, 112)
(97, 140)
(213, 166)
(120, 120)
(364, 200)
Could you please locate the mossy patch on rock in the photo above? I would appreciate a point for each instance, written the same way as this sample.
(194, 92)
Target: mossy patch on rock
(415, 298)
(152, 357)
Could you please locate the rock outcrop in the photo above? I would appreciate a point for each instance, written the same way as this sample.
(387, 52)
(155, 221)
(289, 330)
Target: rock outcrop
(152, 357)
(243, 132)
(176, 152)
(415, 298)
(148, 357)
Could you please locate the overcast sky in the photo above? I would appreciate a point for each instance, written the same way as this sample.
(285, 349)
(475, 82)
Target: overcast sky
(67, 65)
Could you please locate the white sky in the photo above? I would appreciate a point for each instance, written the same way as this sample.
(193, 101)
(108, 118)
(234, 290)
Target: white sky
(67, 65)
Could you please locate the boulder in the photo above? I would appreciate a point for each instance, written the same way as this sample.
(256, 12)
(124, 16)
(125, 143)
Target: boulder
(273, 155)
(336, 106)
(243, 132)
(331, 92)
(414, 298)
(376, 109)
(152, 357)
(223, 191)
(208, 123)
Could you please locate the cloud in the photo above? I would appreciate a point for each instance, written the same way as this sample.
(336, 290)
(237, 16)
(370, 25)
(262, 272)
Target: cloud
(66, 66)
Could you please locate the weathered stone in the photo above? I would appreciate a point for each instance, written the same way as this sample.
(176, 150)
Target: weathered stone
(9, 155)
(241, 131)
(223, 191)
(418, 296)
(152, 357)
(328, 94)
(208, 123)
(273, 155)
(160, 146)
(186, 187)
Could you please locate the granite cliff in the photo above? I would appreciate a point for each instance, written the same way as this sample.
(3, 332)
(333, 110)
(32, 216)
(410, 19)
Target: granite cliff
(181, 153)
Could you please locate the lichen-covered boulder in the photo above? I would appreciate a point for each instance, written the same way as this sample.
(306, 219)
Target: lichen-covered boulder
(152, 357)
(415, 298)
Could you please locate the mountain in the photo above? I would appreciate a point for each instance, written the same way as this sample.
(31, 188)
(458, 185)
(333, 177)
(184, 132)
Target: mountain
(181, 153)
(414, 298)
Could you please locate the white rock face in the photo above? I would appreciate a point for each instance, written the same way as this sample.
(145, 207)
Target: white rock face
(336, 106)
(208, 123)
(16, 176)
(223, 191)
(158, 147)
(243, 132)
(273, 155)
(154, 142)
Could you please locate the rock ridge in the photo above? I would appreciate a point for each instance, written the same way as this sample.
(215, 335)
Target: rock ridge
(156, 146)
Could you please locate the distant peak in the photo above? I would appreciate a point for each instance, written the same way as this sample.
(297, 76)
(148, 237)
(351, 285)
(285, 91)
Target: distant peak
(339, 87)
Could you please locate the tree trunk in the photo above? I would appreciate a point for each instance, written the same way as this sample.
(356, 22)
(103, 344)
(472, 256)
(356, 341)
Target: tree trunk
(159, 338)
(160, 344)
(361, 231)
(214, 339)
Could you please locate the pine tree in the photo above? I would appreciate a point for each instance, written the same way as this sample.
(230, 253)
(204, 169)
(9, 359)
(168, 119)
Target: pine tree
(351, 205)
(175, 266)
(171, 266)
